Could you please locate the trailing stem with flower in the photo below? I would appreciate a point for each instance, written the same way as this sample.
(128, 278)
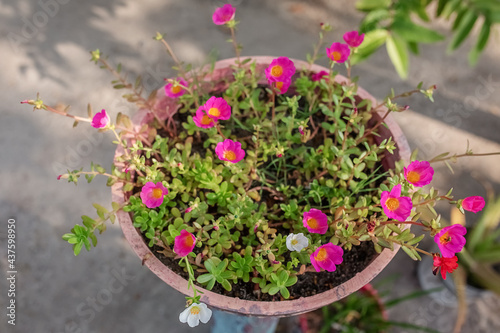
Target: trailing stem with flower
(264, 174)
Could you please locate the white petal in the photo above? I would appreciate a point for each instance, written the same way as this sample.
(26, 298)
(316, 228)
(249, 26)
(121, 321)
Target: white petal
(205, 314)
(183, 317)
(289, 245)
(303, 242)
(193, 320)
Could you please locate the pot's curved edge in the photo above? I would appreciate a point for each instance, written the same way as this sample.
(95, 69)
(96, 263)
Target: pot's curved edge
(259, 308)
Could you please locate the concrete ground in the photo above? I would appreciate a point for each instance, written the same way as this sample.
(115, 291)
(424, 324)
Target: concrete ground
(44, 48)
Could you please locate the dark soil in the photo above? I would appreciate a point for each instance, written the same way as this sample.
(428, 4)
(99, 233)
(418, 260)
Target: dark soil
(308, 284)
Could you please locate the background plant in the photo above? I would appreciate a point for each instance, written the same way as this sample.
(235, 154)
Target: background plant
(402, 24)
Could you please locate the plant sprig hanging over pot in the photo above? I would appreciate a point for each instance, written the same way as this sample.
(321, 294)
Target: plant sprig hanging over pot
(263, 174)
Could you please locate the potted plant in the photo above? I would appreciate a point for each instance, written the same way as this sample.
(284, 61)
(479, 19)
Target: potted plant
(263, 186)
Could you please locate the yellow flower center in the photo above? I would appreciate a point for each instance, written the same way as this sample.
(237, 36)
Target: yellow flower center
(176, 89)
(189, 241)
(195, 310)
(205, 120)
(313, 223)
(229, 155)
(413, 176)
(322, 255)
(294, 242)
(157, 193)
(214, 112)
(336, 55)
(276, 71)
(445, 238)
(392, 204)
(279, 85)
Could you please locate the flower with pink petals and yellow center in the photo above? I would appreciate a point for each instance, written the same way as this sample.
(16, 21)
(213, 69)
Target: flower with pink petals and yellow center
(326, 257)
(338, 52)
(395, 206)
(451, 240)
(419, 173)
(315, 221)
(230, 151)
(152, 194)
(201, 119)
(216, 108)
(184, 243)
(280, 69)
(175, 90)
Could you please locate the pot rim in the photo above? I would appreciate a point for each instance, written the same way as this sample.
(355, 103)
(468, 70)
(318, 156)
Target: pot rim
(266, 308)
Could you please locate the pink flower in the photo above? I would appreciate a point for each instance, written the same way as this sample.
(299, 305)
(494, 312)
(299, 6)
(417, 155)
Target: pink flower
(473, 204)
(395, 206)
(319, 76)
(447, 265)
(59, 177)
(282, 86)
(450, 240)
(216, 108)
(175, 90)
(100, 120)
(301, 130)
(326, 257)
(338, 52)
(280, 70)
(152, 194)
(230, 151)
(188, 210)
(419, 173)
(315, 221)
(353, 38)
(184, 243)
(201, 119)
(223, 14)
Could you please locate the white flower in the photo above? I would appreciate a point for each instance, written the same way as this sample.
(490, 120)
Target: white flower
(194, 313)
(296, 242)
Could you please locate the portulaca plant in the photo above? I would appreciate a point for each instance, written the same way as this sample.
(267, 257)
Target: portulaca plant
(264, 175)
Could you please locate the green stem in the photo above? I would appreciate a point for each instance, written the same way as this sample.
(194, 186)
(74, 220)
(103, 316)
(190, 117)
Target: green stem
(235, 45)
(462, 155)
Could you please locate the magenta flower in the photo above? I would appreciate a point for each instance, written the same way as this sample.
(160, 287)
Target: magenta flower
(473, 204)
(282, 86)
(175, 90)
(230, 151)
(319, 76)
(216, 108)
(419, 173)
(201, 119)
(184, 243)
(326, 257)
(280, 70)
(315, 221)
(100, 120)
(395, 206)
(353, 38)
(450, 240)
(338, 52)
(152, 194)
(301, 130)
(223, 14)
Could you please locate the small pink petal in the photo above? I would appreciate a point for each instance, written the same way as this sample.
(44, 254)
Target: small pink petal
(473, 204)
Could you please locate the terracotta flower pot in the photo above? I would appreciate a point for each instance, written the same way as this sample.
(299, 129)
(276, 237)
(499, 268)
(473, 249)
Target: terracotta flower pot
(262, 308)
